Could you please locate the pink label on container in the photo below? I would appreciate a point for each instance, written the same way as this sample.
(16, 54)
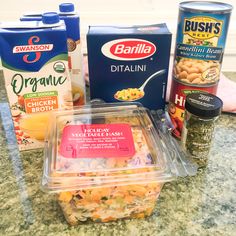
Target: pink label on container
(97, 140)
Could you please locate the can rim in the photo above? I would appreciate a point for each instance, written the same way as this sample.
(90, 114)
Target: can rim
(227, 7)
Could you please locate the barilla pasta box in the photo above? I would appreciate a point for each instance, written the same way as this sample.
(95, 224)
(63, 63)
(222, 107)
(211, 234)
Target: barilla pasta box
(129, 63)
(75, 61)
(35, 67)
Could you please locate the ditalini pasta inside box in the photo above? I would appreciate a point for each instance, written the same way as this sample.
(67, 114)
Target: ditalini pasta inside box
(108, 162)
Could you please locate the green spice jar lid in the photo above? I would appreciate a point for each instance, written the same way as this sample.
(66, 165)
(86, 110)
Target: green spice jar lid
(203, 104)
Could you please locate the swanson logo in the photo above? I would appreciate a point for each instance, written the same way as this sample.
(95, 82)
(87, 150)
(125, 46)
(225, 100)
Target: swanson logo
(128, 49)
(32, 48)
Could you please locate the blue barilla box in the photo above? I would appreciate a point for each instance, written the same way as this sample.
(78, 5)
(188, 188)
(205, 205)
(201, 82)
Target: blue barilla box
(129, 63)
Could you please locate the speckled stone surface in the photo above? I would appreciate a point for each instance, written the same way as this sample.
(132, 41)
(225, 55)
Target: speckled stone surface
(201, 205)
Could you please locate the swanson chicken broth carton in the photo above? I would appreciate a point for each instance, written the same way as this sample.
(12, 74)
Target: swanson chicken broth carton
(35, 67)
(129, 63)
(75, 60)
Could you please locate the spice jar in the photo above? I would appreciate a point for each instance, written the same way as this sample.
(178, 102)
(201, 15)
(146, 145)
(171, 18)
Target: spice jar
(201, 112)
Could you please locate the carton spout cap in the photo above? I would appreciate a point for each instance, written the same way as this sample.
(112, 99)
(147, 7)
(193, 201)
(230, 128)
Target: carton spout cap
(66, 7)
(50, 18)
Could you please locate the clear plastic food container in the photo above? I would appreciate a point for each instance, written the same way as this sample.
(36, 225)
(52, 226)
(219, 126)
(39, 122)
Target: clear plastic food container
(107, 162)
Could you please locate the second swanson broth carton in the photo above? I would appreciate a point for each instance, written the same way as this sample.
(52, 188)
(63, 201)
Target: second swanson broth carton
(75, 61)
(35, 67)
(72, 22)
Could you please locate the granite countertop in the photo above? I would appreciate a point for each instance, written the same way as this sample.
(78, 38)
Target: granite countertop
(201, 205)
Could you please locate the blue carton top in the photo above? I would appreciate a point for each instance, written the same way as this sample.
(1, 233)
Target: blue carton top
(72, 22)
(27, 46)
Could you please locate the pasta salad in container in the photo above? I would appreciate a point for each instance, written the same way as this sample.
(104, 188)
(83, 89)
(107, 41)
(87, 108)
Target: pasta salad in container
(109, 161)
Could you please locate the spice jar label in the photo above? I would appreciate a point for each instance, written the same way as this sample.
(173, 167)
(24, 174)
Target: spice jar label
(89, 140)
(197, 137)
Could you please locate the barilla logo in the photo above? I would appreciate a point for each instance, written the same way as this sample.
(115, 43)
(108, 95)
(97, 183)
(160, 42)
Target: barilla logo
(128, 49)
(32, 48)
(202, 27)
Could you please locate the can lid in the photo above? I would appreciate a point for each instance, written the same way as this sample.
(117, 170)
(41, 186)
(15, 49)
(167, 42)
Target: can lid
(203, 104)
(208, 6)
(50, 18)
(66, 7)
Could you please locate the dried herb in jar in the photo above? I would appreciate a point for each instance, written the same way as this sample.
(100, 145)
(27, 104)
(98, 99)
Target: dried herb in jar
(201, 112)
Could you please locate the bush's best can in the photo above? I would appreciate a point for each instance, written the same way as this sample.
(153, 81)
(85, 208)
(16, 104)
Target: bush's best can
(201, 35)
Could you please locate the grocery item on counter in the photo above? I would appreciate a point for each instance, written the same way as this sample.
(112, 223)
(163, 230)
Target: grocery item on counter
(35, 68)
(201, 112)
(177, 103)
(121, 58)
(109, 161)
(201, 36)
(72, 21)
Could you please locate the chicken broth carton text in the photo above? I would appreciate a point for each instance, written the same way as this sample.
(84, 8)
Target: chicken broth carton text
(35, 67)
(129, 63)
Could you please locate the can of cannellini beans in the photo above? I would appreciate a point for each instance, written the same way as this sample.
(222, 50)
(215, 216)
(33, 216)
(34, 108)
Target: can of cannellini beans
(200, 42)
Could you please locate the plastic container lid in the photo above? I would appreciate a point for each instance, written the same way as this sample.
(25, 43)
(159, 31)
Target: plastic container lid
(107, 145)
(203, 105)
(208, 6)
(66, 7)
(50, 18)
